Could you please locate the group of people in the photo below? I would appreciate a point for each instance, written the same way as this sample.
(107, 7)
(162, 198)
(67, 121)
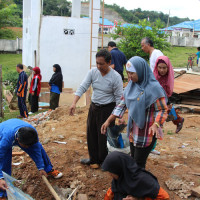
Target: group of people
(55, 87)
(147, 98)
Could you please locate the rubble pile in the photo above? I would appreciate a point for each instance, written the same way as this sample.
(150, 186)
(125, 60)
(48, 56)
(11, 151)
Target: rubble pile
(39, 118)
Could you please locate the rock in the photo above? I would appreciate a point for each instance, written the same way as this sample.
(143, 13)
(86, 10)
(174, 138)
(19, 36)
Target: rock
(61, 137)
(30, 190)
(46, 141)
(92, 193)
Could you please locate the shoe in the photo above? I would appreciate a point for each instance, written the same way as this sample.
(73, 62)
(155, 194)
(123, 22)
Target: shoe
(55, 174)
(19, 116)
(30, 113)
(94, 166)
(180, 126)
(85, 161)
(155, 152)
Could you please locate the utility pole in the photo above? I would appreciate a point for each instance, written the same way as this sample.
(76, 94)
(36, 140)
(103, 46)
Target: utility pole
(168, 20)
(1, 93)
(102, 29)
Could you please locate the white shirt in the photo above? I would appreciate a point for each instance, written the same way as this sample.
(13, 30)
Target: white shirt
(155, 54)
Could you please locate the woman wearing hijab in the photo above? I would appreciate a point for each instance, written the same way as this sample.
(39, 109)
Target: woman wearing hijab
(146, 103)
(130, 181)
(35, 89)
(164, 73)
(55, 85)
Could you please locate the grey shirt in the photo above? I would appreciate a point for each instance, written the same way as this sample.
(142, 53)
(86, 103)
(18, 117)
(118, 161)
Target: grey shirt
(106, 89)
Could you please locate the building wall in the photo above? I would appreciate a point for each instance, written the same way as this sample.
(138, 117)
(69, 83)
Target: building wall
(71, 52)
(45, 43)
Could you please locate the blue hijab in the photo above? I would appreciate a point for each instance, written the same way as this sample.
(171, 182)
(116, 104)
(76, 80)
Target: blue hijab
(141, 95)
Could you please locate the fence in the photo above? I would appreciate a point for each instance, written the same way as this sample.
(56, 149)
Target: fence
(13, 46)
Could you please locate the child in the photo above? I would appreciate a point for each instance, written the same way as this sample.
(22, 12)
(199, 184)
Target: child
(198, 56)
(55, 86)
(131, 182)
(35, 90)
(164, 74)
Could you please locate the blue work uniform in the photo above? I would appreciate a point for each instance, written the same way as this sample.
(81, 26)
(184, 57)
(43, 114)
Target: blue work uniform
(119, 60)
(22, 84)
(8, 139)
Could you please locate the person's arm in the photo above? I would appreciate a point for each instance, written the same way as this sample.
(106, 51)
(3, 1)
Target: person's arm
(118, 112)
(34, 152)
(35, 85)
(118, 89)
(21, 83)
(81, 90)
(160, 116)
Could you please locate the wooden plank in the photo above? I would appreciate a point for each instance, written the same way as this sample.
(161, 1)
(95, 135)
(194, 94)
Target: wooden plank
(82, 197)
(196, 191)
(21, 153)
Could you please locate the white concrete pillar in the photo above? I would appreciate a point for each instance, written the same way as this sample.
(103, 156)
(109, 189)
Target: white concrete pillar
(76, 8)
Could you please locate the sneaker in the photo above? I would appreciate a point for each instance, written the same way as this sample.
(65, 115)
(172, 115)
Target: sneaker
(55, 174)
(155, 152)
(19, 116)
(180, 126)
(85, 161)
(30, 113)
(94, 166)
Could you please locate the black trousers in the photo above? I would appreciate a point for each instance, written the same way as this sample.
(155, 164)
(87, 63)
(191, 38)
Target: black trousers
(34, 103)
(97, 143)
(54, 100)
(22, 106)
(141, 154)
(122, 75)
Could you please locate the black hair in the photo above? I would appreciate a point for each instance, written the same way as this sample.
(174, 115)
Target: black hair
(20, 66)
(27, 136)
(104, 53)
(58, 68)
(148, 41)
(111, 44)
(198, 48)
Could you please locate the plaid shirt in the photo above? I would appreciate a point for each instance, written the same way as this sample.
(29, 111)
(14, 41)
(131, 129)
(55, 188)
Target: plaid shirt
(157, 112)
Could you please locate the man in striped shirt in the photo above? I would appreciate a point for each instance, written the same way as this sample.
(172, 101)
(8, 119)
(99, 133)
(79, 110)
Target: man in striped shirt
(22, 91)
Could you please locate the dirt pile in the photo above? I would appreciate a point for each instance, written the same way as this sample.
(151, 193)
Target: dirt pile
(180, 155)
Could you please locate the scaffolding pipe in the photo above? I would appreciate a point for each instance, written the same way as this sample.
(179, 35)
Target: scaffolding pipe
(102, 28)
(91, 34)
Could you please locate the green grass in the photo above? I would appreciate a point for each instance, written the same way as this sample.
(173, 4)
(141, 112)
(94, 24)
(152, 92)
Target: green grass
(9, 61)
(179, 55)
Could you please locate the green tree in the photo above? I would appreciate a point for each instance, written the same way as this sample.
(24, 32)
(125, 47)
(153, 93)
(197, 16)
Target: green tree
(131, 38)
(56, 7)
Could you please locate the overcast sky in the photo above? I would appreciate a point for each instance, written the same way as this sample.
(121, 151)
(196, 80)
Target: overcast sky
(179, 8)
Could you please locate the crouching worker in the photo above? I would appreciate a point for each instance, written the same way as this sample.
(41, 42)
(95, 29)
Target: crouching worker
(129, 181)
(17, 132)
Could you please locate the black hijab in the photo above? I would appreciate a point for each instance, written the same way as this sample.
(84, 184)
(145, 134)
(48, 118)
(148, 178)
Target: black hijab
(57, 77)
(133, 180)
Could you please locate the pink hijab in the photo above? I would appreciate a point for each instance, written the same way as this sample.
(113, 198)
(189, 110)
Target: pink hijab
(167, 81)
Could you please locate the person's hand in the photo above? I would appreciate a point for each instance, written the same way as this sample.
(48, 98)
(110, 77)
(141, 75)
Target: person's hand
(72, 109)
(130, 198)
(33, 93)
(154, 131)
(18, 94)
(121, 121)
(49, 87)
(3, 185)
(104, 127)
(42, 173)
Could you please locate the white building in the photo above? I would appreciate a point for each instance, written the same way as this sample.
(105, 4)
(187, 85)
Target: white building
(71, 42)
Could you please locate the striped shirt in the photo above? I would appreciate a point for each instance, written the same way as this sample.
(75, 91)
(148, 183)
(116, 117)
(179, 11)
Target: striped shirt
(157, 112)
